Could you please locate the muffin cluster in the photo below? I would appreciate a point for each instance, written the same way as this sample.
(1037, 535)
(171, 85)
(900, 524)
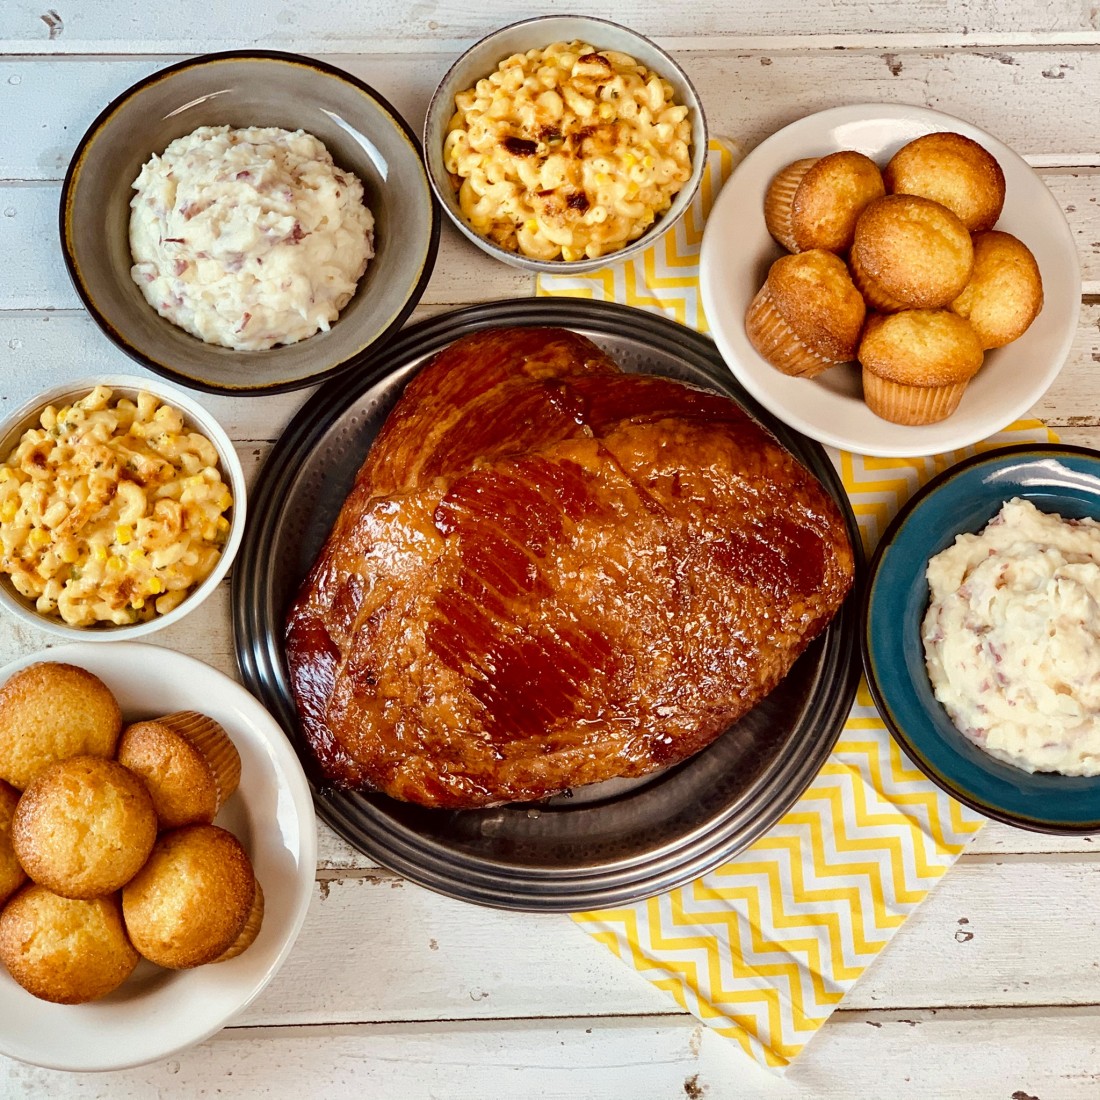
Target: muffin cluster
(108, 850)
(900, 269)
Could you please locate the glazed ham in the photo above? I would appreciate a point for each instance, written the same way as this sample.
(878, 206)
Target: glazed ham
(550, 573)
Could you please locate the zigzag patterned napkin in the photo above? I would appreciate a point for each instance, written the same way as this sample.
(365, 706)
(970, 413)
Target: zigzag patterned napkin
(763, 948)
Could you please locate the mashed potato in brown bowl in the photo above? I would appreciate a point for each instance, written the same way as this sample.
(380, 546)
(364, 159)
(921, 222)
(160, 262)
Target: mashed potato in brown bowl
(248, 238)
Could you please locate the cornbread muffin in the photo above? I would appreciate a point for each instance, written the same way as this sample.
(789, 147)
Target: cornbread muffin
(65, 950)
(12, 875)
(814, 203)
(193, 898)
(807, 315)
(1005, 292)
(84, 827)
(917, 364)
(910, 253)
(51, 711)
(953, 170)
(188, 762)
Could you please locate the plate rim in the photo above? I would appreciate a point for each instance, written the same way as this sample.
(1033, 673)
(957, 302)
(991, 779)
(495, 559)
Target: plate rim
(995, 457)
(871, 112)
(256, 651)
(273, 741)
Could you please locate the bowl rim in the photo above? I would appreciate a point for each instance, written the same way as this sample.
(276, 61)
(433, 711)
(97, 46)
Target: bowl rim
(72, 179)
(905, 741)
(200, 419)
(682, 199)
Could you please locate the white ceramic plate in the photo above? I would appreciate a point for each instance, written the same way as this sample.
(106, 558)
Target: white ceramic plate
(738, 250)
(156, 1012)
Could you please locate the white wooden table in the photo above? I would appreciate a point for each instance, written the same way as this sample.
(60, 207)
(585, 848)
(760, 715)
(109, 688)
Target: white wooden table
(991, 990)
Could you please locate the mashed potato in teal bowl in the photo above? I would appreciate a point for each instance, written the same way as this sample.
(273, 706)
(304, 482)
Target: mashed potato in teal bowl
(1012, 638)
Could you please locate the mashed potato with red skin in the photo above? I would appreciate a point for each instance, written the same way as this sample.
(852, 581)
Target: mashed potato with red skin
(1012, 639)
(248, 238)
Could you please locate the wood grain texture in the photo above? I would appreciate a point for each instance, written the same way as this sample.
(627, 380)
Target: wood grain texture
(34, 278)
(379, 948)
(1036, 99)
(910, 1055)
(124, 25)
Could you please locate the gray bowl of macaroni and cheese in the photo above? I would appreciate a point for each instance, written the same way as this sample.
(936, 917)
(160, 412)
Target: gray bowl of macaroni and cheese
(122, 506)
(564, 143)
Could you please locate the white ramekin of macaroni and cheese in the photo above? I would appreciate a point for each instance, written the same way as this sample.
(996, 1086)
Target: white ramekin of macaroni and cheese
(564, 142)
(122, 505)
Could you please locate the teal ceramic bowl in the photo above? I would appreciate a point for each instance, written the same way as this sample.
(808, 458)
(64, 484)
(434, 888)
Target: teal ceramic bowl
(1055, 478)
(240, 88)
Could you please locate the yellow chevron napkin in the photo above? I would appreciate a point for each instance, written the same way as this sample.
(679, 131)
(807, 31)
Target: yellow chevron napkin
(763, 948)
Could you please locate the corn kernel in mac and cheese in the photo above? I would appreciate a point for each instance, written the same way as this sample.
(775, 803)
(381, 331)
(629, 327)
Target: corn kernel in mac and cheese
(567, 152)
(111, 511)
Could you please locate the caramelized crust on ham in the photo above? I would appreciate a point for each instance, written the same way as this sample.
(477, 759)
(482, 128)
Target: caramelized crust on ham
(550, 573)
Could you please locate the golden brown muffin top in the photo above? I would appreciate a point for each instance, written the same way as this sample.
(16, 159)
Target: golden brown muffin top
(84, 827)
(814, 294)
(921, 347)
(832, 194)
(50, 711)
(192, 898)
(64, 950)
(179, 777)
(915, 249)
(1005, 292)
(953, 170)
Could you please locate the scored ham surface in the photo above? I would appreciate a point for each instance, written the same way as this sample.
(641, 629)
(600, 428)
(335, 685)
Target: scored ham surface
(549, 573)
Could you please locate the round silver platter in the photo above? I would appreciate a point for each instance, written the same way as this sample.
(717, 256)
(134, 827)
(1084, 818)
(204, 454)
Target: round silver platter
(593, 847)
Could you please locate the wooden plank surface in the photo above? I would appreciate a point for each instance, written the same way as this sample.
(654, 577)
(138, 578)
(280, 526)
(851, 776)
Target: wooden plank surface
(377, 948)
(35, 278)
(1036, 99)
(910, 1055)
(123, 26)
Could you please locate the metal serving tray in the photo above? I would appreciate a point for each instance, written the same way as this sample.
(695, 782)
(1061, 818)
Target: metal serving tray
(613, 842)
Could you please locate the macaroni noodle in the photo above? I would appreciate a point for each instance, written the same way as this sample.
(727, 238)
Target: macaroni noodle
(111, 511)
(567, 152)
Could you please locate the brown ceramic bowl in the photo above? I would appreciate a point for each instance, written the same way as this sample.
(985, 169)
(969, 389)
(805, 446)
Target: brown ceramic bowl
(249, 88)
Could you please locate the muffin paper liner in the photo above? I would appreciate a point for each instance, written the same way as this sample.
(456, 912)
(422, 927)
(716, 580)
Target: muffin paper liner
(779, 198)
(777, 342)
(903, 404)
(250, 930)
(214, 744)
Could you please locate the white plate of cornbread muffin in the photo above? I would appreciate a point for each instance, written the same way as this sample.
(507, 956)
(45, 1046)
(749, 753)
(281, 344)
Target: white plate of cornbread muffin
(157, 853)
(890, 280)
